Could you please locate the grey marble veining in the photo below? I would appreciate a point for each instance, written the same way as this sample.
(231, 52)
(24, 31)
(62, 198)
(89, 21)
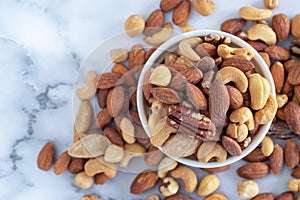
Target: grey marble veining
(42, 45)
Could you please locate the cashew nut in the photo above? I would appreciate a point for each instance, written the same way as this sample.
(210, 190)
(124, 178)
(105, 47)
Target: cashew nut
(243, 115)
(247, 189)
(209, 150)
(98, 165)
(262, 32)
(281, 100)
(186, 46)
(253, 13)
(84, 117)
(187, 176)
(161, 36)
(267, 146)
(160, 76)
(187, 28)
(166, 164)
(161, 131)
(208, 185)
(169, 186)
(130, 151)
(204, 7)
(89, 90)
(216, 196)
(237, 131)
(233, 74)
(83, 181)
(127, 130)
(260, 90)
(113, 153)
(226, 52)
(293, 185)
(268, 112)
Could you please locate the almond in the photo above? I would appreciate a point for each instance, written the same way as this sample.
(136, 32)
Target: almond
(277, 71)
(233, 25)
(62, 163)
(136, 56)
(178, 197)
(217, 169)
(294, 75)
(276, 160)
(231, 146)
(196, 97)
(266, 58)
(264, 196)
(153, 156)
(253, 170)
(290, 64)
(278, 52)
(46, 157)
(257, 45)
(101, 178)
(101, 97)
(103, 118)
(147, 85)
(206, 49)
(178, 82)
(182, 13)
(291, 154)
(115, 100)
(240, 63)
(296, 173)
(297, 92)
(107, 80)
(292, 116)
(168, 5)
(286, 196)
(255, 156)
(154, 22)
(236, 97)
(143, 182)
(113, 136)
(295, 29)
(166, 95)
(76, 165)
(281, 25)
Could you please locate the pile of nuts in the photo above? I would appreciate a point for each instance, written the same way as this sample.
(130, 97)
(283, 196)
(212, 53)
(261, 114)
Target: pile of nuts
(206, 99)
(116, 135)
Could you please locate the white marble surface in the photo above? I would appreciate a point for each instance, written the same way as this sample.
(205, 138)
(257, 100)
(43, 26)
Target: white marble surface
(42, 45)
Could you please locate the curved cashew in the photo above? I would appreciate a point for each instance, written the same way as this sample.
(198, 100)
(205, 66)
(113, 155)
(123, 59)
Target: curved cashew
(233, 74)
(185, 48)
(267, 146)
(262, 32)
(260, 90)
(166, 164)
(268, 112)
(237, 131)
(209, 150)
(187, 176)
(90, 88)
(98, 165)
(243, 115)
(253, 13)
(160, 132)
(169, 186)
(161, 36)
(226, 52)
(130, 151)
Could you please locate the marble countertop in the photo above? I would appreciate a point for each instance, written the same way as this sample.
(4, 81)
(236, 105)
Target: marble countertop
(43, 43)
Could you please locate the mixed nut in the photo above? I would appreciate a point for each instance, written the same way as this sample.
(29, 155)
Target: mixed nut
(206, 95)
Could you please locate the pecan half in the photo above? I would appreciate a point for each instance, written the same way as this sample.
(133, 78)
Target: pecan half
(191, 122)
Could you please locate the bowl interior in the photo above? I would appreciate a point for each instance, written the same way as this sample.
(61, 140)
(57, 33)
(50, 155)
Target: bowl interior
(170, 46)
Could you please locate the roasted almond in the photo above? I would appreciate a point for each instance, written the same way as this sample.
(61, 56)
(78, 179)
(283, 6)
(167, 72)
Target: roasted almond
(107, 80)
(264, 196)
(276, 160)
(113, 136)
(166, 95)
(182, 13)
(196, 97)
(278, 52)
(136, 56)
(217, 169)
(294, 75)
(236, 97)
(206, 49)
(153, 156)
(240, 63)
(103, 118)
(168, 5)
(231, 146)
(62, 163)
(291, 154)
(255, 156)
(76, 165)
(296, 173)
(154, 22)
(292, 116)
(253, 170)
(233, 25)
(192, 74)
(143, 182)
(101, 178)
(257, 45)
(281, 25)
(147, 85)
(115, 100)
(46, 157)
(101, 97)
(286, 196)
(178, 197)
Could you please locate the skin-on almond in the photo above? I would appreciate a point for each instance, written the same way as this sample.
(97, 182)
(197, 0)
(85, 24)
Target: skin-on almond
(281, 25)
(264, 196)
(107, 80)
(233, 25)
(103, 118)
(286, 196)
(113, 136)
(143, 182)
(115, 100)
(46, 157)
(240, 63)
(294, 75)
(217, 169)
(76, 165)
(236, 98)
(154, 22)
(278, 52)
(257, 45)
(182, 13)
(292, 116)
(165, 95)
(196, 97)
(296, 173)
(253, 170)
(291, 154)
(276, 160)
(255, 156)
(168, 5)
(62, 163)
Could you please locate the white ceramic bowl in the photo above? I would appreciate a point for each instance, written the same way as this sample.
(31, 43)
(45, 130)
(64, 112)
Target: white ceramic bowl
(170, 46)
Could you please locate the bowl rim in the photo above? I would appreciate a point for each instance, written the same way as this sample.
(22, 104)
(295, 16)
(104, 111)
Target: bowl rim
(167, 45)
